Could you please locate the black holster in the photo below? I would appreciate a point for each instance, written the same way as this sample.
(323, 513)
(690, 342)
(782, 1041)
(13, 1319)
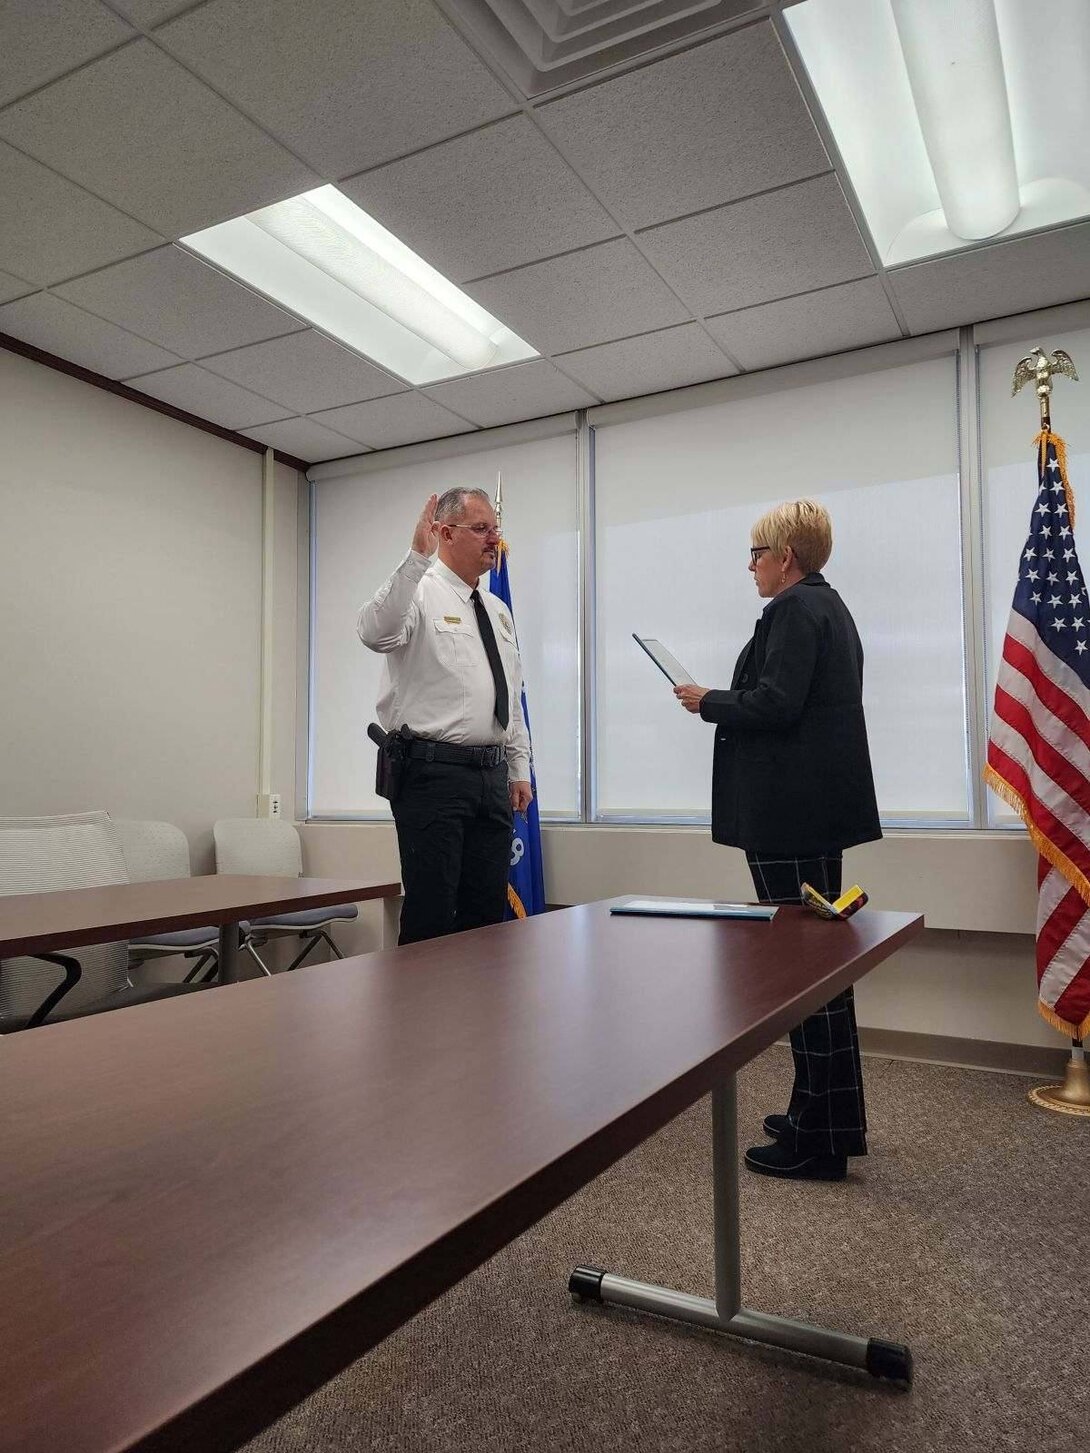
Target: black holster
(390, 762)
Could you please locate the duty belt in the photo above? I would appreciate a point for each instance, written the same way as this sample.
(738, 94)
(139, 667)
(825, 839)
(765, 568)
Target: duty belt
(452, 752)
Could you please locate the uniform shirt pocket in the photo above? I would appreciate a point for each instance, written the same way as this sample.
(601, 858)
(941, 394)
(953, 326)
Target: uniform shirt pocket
(454, 638)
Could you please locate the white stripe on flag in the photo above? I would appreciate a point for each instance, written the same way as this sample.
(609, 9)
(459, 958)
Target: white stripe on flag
(1062, 807)
(1057, 671)
(1066, 962)
(1053, 891)
(1061, 738)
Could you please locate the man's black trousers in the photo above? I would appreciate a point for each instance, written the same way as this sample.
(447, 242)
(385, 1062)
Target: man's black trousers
(454, 832)
(826, 1115)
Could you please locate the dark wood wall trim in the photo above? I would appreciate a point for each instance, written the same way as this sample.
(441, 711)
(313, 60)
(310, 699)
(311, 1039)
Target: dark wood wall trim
(99, 380)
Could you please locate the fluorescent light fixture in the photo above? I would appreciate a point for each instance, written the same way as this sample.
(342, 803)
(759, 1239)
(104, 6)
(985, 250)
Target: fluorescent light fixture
(955, 70)
(324, 259)
(958, 120)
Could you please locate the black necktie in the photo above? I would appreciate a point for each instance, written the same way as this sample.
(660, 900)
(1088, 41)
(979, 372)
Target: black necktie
(492, 651)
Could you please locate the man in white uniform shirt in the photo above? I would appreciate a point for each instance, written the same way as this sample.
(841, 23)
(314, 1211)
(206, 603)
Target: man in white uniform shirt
(452, 676)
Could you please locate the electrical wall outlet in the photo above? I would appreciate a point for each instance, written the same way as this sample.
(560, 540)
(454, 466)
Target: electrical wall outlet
(268, 804)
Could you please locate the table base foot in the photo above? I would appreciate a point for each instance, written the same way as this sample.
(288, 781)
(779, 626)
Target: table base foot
(890, 1361)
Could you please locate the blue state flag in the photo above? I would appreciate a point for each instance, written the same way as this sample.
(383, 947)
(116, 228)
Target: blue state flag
(526, 882)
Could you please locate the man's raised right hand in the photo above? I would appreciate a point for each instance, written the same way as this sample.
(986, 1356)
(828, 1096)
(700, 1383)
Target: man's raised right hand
(426, 534)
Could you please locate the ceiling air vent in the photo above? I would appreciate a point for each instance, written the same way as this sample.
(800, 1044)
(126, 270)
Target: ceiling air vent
(545, 44)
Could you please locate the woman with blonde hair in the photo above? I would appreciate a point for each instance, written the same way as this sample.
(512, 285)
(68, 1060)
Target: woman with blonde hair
(792, 786)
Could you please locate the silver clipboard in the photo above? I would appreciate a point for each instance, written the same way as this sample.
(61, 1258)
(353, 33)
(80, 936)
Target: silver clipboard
(669, 665)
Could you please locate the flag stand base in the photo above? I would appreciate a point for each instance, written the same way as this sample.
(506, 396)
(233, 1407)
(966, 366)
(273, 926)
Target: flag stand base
(1073, 1096)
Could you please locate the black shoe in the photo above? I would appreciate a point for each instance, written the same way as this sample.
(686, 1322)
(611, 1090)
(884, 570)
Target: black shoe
(791, 1165)
(776, 1126)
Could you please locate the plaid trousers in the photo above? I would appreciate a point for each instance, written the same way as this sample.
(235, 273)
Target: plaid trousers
(826, 1114)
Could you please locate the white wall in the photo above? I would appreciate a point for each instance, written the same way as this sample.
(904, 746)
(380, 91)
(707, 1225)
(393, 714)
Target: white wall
(130, 610)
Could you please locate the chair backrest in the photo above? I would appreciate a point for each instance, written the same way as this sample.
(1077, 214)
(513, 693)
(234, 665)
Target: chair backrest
(38, 860)
(257, 845)
(152, 850)
(65, 819)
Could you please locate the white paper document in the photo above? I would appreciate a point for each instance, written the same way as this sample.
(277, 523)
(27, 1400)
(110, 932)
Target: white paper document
(669, 665)
(692, 908)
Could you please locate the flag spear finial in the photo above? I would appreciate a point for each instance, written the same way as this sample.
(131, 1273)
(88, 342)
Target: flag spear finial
(499, 498)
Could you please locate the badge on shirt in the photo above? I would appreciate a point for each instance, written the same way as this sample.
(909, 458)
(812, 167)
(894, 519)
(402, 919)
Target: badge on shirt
(506, 624)
(453, 620)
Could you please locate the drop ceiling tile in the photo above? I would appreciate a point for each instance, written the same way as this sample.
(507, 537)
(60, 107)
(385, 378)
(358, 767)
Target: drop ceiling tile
(149, 13)
(171, 298)
(305, 439)
(13, 287)
(789, 241)
(44, 38)
(305, 371)
(50, 229)
(586, 297)
(992, 282)
(485, 202)
(209, 397)
(138, 130)
(522, 391)
(385, 423)
(652, 363)
(715, 123)
(833, 320)
(58, 327)
(346, 83)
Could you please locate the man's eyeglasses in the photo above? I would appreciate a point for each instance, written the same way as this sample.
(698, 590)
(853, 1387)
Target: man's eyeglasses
(757, 551)
(481, 531)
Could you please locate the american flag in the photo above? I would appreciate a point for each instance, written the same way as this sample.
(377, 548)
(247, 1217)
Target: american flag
(1039, 743)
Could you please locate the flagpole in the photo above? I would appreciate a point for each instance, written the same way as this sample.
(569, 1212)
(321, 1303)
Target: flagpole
(1073, 1096)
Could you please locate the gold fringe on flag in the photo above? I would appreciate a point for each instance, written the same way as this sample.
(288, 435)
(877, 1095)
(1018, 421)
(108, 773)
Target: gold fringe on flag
(1043, 440)
(1063, 865)
(517, 906)
(1048, 849)
(1073, 1031)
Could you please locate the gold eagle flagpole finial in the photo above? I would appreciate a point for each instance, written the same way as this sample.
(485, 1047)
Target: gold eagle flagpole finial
(1038, 368)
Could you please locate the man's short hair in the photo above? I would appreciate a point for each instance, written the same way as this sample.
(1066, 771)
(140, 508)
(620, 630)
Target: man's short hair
(804, 525)
(452, 504)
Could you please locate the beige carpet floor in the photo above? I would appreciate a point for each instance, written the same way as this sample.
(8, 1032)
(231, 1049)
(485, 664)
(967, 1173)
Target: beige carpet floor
(965, 1233)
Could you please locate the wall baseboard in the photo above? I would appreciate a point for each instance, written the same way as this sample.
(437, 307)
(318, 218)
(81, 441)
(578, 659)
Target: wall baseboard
(980, 1054)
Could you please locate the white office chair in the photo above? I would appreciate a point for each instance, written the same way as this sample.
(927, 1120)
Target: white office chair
(153, 851)
(40, 869)
(45, 858)
(260, 845)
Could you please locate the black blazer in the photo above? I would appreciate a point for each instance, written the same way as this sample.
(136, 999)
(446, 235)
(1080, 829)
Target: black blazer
(791, 771)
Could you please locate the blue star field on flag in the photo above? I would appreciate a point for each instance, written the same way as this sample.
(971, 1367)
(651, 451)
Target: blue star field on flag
(1051, 592)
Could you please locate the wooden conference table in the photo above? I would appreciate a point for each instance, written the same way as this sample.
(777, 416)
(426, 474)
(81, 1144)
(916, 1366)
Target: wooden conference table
(211, 1206)
(35, 922)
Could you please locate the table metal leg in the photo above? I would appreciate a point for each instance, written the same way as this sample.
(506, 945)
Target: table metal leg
(228, 969)
(725, 1313)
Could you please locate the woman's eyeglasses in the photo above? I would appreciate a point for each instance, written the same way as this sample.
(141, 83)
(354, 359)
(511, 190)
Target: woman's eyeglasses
(757, 551)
